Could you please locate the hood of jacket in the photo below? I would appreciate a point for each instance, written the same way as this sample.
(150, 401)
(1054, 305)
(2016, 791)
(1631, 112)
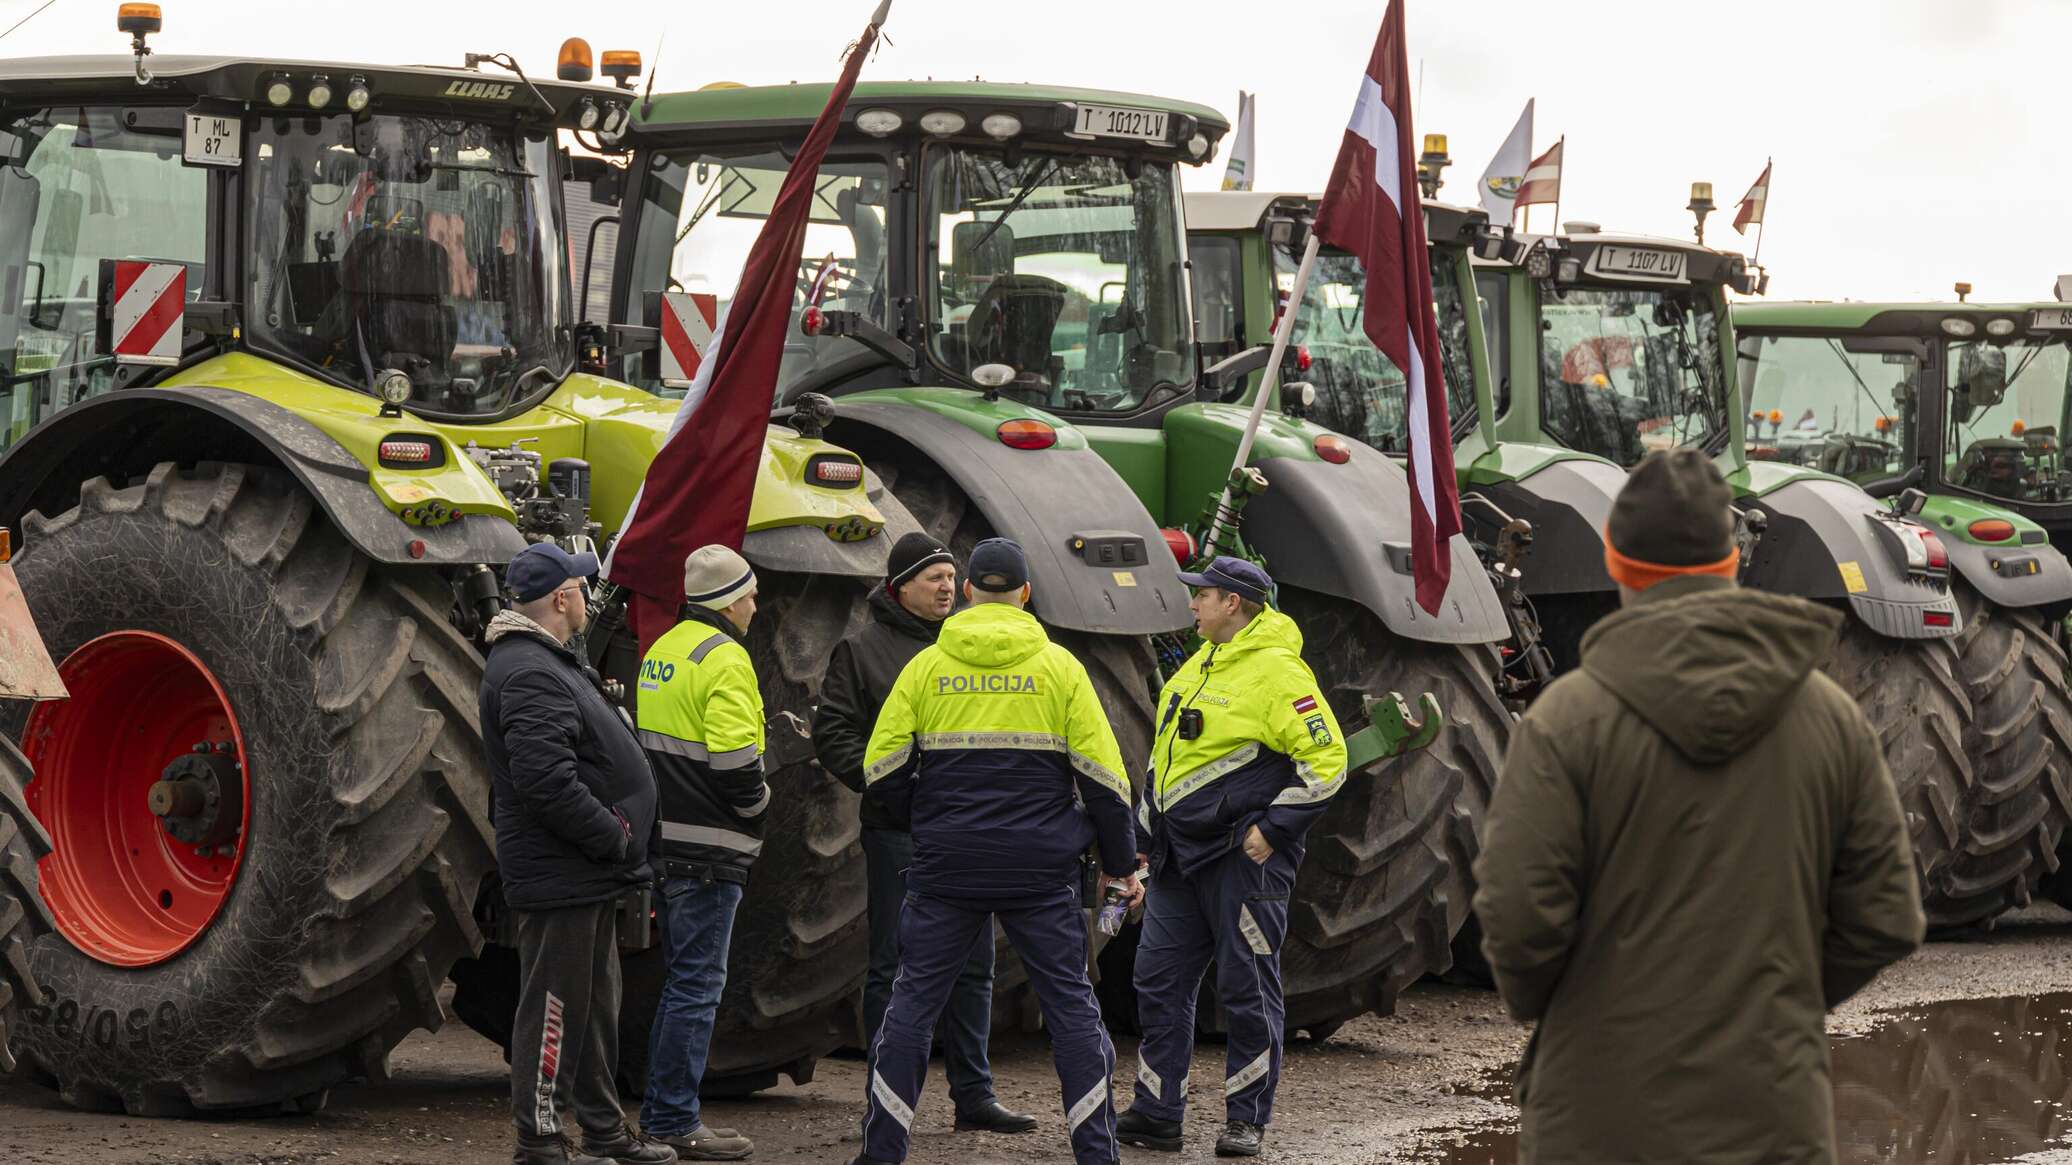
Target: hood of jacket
(885, 609)
(1708, 664)
(1270, 631)
(508, 622)
(991, 635)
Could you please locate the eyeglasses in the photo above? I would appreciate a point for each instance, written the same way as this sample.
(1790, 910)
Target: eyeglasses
(580, 587)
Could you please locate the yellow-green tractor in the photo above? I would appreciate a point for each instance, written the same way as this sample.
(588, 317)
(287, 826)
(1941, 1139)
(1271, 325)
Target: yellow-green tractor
(290, 369)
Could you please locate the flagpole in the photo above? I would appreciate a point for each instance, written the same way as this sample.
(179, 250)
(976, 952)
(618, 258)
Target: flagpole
(1563, 143)
(1282, 332)
(1769, 175)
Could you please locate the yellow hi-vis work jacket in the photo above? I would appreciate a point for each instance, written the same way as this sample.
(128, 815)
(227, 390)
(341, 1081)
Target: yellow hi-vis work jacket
(1268, 753)
(994, 747)
(701, 722)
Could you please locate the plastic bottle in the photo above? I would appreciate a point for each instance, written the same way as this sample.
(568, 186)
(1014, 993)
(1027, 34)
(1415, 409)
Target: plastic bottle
(1113, 909)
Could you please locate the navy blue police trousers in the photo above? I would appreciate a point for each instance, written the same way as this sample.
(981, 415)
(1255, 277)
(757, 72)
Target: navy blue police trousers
(935, 941)
(1235, 913)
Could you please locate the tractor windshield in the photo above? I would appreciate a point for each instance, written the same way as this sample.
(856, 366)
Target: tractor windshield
(1067, 270)
(1360, 392)
(410, 243)
(80, 186)
(1813, 401)
(703, 212)
(1625, 371)
(2006, 412)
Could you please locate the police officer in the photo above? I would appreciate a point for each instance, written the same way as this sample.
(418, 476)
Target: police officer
(701, 722)
(1246, 758)
(994, 748)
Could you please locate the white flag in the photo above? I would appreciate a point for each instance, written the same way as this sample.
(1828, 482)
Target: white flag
(1506, 172)
(1238, 175)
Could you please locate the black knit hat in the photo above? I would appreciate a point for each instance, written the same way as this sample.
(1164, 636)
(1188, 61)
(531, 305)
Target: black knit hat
(911, 555)
(1675, 511)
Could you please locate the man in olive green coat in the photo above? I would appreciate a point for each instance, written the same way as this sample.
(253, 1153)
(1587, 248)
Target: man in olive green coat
(1695, 850)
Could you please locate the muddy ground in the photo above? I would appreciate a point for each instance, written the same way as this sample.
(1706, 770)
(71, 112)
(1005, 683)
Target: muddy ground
(1427, 1084)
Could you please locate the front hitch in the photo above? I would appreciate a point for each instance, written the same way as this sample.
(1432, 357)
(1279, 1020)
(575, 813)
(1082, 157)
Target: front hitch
(1392, 731)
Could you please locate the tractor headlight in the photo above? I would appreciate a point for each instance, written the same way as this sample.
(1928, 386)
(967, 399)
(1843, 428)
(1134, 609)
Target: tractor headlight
(319, 92)
(1959, 327)
(879, 122)
(279, 91)
(587, 114)
(2002, 327)
(357, 97)
(395, 387)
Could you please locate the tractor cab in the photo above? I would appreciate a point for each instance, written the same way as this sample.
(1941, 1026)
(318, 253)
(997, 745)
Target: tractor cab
(393, 231)
(1962, 399)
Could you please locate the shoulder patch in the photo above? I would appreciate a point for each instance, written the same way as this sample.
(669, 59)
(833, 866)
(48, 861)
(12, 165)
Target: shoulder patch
(1306, 705)
(1318, 731)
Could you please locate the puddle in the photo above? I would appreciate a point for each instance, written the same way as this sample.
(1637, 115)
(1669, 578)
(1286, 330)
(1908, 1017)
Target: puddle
(1973, 1082)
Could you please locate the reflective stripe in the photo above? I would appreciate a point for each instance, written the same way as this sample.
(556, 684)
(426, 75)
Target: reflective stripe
(889, 1100)
(716, 838)
(889, 765)
(1099, 772)
(719, 639)
(669, 745)
(1249, 927)
(761, 803)
(1019, 741)
(1312, 789)
(1249, 1075)
(1149, 1079)
(1088, 1105)
(1193, 782)
(1144, 816)
(736, 758)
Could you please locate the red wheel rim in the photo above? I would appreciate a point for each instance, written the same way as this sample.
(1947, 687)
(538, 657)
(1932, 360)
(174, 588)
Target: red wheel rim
(121, 887)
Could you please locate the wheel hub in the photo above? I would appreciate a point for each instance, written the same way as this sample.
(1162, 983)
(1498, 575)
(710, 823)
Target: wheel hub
(140, 778)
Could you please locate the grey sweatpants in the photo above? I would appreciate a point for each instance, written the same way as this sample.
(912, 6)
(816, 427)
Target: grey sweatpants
(565, 1038)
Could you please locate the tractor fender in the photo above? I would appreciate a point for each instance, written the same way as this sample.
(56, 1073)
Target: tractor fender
(1823, 543)
(1569, 503)
(2001, 573)
(123, 434)
(1097, 560)
(1344, 530)
(810, 549)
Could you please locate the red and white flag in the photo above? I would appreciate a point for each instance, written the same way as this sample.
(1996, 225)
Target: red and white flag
(1543, 178)
(1751, 209)
(1365, 212)
(699, 486)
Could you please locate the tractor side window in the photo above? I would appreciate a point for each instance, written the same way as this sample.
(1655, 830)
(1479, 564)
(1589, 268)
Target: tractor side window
(2007, 410)
(1625, 371)
(1813, 402)
(703, 213)
(1219, 321)
(78, 187)
(1493, 292)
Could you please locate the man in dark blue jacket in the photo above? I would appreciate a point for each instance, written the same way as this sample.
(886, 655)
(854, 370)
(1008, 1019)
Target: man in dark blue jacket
(574, 805)
(994, 747)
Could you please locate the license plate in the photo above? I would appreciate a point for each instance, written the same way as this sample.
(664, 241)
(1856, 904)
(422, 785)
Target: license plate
(1107, 121)
(2051, 319)
(1613, 261)
(211, 140)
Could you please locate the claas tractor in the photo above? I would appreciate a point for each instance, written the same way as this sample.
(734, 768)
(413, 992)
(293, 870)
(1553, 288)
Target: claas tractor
(291, 370)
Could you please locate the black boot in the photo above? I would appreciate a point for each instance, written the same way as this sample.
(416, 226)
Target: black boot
(553, 1149)
(993, 1117)
(628, 1148)
(1240, 1140)
(1147, 1132)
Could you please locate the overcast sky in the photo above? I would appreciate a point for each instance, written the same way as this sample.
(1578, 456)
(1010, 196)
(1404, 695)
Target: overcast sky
(1917, 142)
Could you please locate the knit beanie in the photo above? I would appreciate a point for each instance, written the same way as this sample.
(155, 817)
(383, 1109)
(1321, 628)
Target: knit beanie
(1673, 518)
(911, 555)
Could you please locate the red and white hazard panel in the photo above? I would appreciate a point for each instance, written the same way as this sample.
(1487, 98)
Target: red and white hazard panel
(688, 318)
(150, 300)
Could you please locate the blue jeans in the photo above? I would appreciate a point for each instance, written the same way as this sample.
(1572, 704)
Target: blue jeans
(969, 1016)
(697, 920)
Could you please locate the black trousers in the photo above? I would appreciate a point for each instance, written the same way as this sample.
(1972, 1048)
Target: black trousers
(565, 1039)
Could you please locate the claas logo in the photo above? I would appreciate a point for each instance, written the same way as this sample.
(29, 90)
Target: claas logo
(481, 90)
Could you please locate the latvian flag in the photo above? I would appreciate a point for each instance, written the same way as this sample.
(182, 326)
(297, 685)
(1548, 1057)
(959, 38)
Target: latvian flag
(1751, 209)
(1365, 212)
(1543, 178)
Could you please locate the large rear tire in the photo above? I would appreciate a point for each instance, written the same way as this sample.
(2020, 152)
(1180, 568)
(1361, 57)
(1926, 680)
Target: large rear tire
(1389, 875)
(797, 956)
(22, 916)
(366, 839)
(1976, 732)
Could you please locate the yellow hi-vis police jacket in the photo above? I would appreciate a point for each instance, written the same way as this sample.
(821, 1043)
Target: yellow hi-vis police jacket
(701, 722)
(994, 747)
(1269, 753)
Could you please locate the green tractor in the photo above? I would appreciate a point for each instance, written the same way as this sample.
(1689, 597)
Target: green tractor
(1956, 411)
(1534, 510)
(1619, 345)
(291, 370)
(995, 295)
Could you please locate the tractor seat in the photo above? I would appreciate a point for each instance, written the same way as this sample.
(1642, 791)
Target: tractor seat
(1013, 321)
(395, 286)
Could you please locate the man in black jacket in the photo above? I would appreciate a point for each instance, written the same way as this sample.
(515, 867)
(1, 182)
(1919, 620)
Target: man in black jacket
(574, 805)
(920, 591)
